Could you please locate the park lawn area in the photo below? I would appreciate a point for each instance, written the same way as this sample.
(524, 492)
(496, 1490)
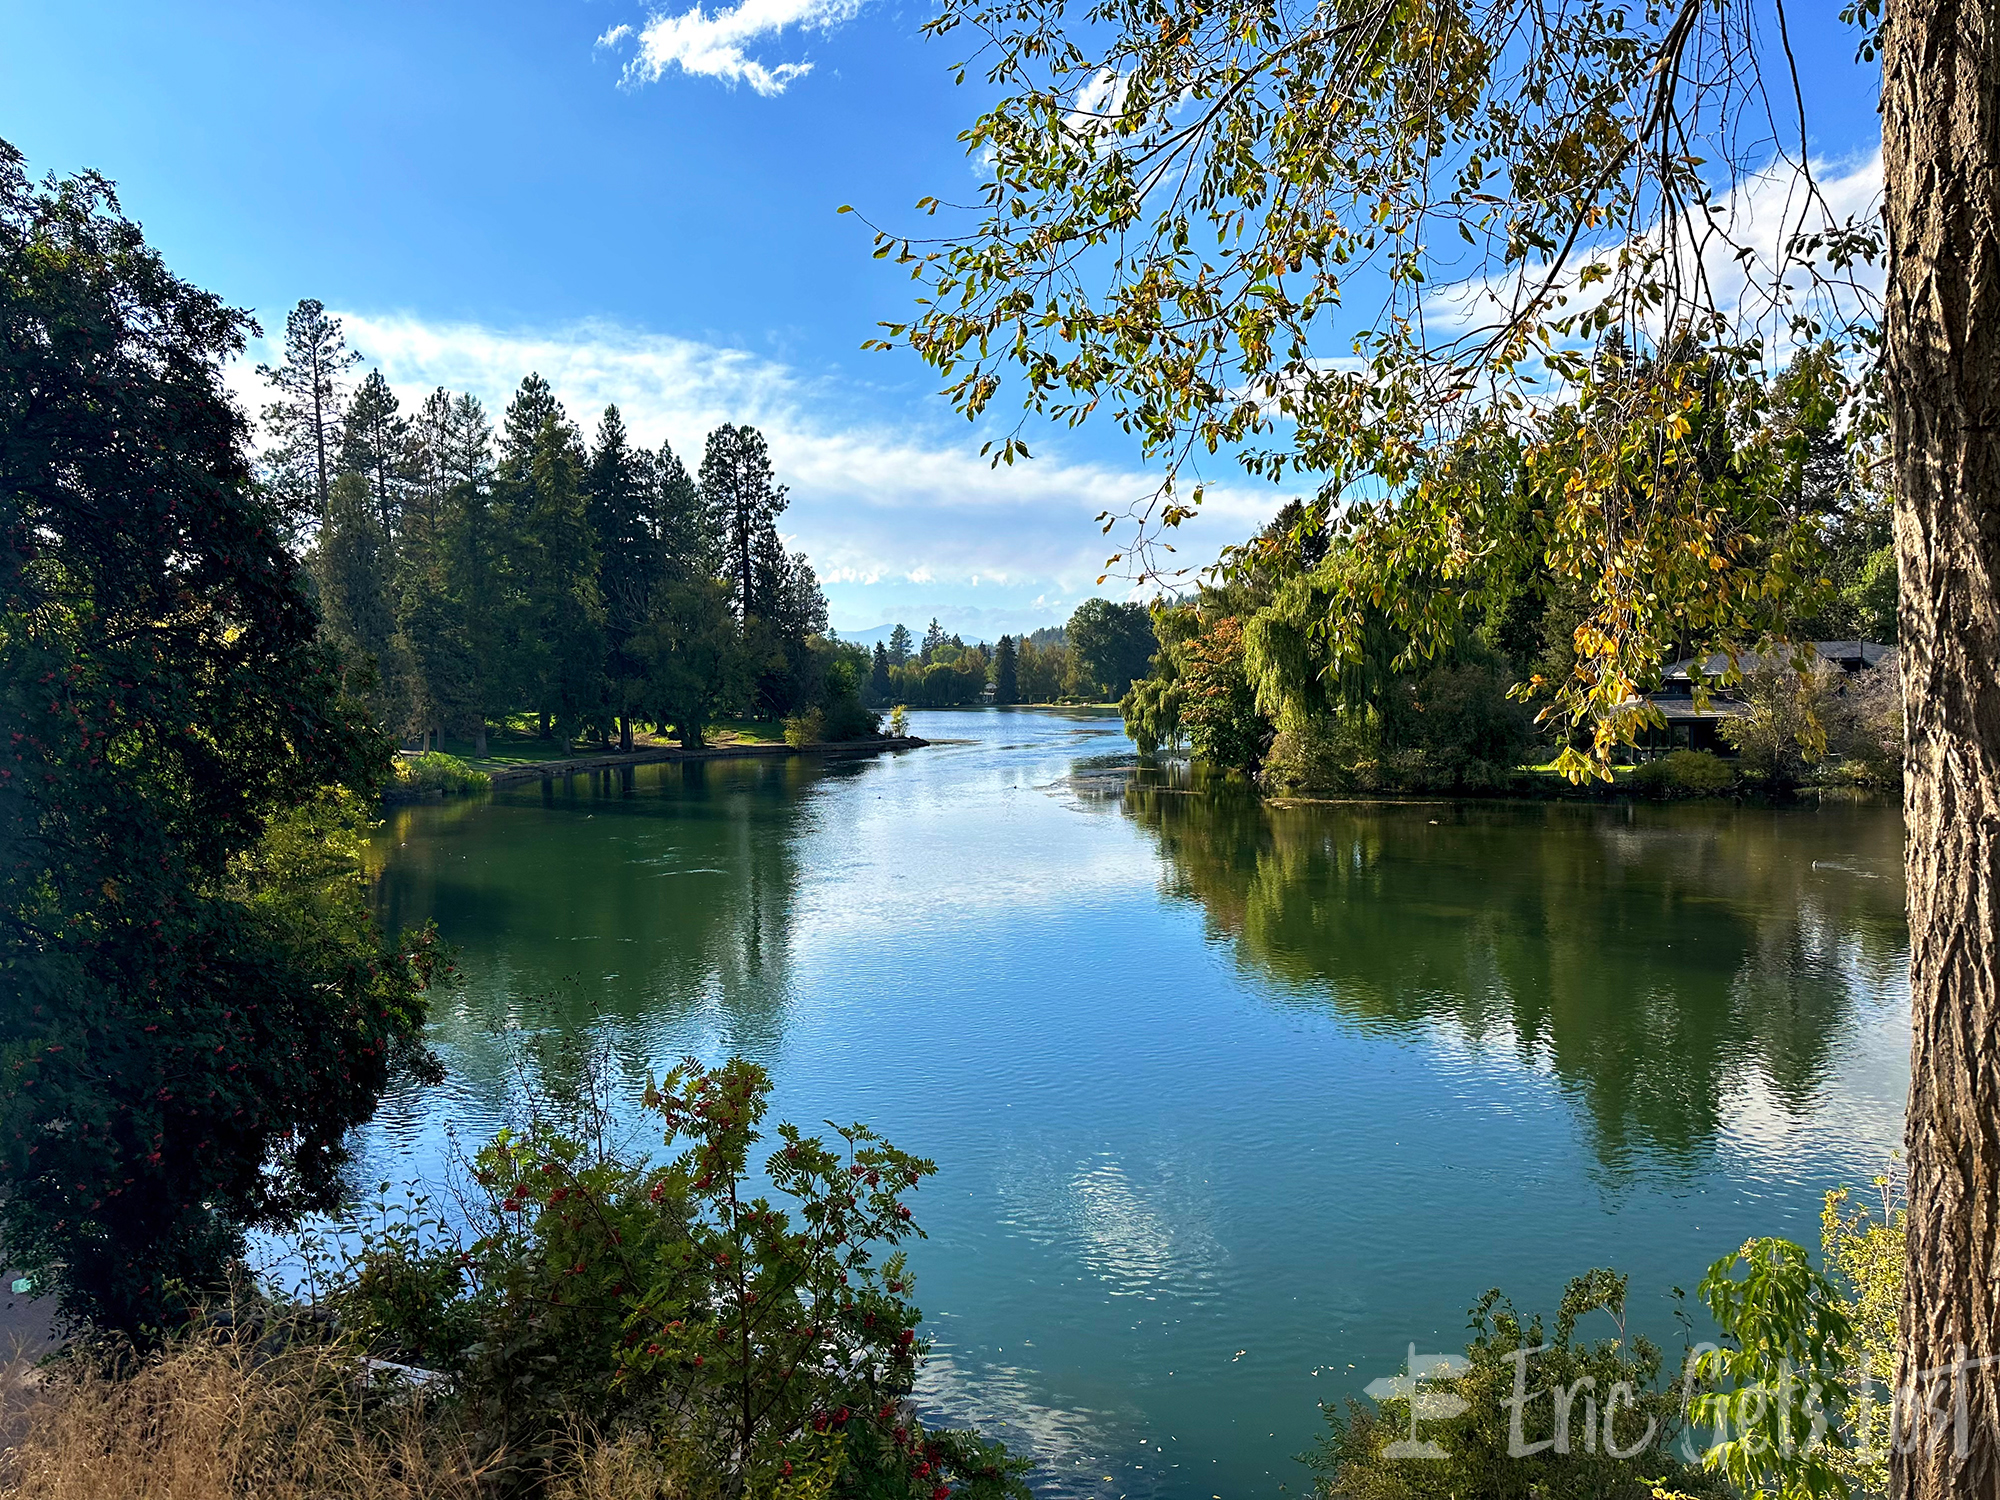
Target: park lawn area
(517, 742)
(747, 732)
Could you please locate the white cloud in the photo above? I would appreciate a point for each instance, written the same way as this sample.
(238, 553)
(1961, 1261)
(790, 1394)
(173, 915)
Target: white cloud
(898, 517)
(1743, 251)
(714, 44)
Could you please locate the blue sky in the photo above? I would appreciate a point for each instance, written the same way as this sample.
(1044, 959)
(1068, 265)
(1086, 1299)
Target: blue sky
(485, 188)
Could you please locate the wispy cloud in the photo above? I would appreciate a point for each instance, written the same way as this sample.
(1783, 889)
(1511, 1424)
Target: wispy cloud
(716, 44)
(899, 517)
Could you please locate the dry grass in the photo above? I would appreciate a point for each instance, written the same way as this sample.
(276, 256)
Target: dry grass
(216, 1417)
(213, 1417)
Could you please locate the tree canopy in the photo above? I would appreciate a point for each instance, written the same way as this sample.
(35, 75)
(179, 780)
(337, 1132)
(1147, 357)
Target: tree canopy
(197, 1007)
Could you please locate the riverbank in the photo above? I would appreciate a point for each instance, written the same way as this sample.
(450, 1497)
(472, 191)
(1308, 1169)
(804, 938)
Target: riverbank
(511, 775)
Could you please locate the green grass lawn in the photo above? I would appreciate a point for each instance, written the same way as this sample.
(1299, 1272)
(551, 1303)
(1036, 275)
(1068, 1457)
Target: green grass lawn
(517, 742)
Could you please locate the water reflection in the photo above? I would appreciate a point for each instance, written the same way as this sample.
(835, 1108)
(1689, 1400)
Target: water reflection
(649, 906)
(1657, 960)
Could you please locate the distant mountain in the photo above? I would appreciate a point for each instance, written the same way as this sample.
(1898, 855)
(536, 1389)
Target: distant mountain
(871, 635)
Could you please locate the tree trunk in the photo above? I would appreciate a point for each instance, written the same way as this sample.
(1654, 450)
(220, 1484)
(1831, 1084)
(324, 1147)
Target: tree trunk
(479, 740)
(625, 733)
(1941, 163)
(544, 733)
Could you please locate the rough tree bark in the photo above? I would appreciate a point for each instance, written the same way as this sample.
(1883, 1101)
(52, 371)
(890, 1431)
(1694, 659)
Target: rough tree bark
(1941, 161)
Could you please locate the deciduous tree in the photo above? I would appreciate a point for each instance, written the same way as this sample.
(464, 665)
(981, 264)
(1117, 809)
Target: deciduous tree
(195, 1006)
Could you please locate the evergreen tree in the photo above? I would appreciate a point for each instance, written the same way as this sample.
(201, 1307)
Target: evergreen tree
(480, 589)
(305, 417)
(689, 530)
(533, 408)
(469, 454)
(933, 638)
(791, 612)
(560, 656)
(899, 645)
(350, 565)
(619, 507)
(373, 443)
(880, 686)
(1006, 685)
(427, 466)
(740, 489)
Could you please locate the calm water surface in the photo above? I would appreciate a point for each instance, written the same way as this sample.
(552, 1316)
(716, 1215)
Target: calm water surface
(1231, 1103)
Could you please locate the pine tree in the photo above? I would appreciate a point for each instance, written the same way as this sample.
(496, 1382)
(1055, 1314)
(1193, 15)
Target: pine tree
(880, 685)
(560, 657)
(899, 645)
(350, 566)
(1006, 685)
(428, 469)
(470, 451)
(305, 419)
(374, 440)
(933, 638)
(482, 595)
(690, 531)
(620, 510)
(740, 489)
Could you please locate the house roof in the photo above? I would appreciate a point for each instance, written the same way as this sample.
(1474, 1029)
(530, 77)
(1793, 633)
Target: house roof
(1851, 655)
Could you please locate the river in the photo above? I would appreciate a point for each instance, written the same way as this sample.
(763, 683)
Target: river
(1231, 1103)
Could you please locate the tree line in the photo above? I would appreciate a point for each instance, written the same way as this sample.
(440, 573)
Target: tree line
(466, 575)
(1094, 658)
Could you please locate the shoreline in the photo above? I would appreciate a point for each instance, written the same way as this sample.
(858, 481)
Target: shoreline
(658, 754)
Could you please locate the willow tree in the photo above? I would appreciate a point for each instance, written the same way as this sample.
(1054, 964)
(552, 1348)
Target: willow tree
(1361, 246)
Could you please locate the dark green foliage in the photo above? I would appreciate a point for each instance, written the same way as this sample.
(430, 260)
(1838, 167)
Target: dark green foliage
(1558, 1461)
(349, 564)
(774, 1335)
(631, 561)
(1112, 645)
(690, 533)
(374, 443)
(843, 671)
(741, 492)
(690, 654)
(899, 646)
(559, 661)
(880, 686)
(195, 1007)
(1683, 773)
(1006, 678)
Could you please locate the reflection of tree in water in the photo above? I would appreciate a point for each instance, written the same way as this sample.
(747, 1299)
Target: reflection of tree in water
(1653, 957)
(649, 907)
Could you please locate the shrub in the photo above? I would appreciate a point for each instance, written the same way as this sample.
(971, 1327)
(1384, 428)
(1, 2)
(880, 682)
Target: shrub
(776, 1342)
(808, 728)
(1508, 1354)
(1684, 773)
(899, 722)
(1865, 1257)
(434, 771)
